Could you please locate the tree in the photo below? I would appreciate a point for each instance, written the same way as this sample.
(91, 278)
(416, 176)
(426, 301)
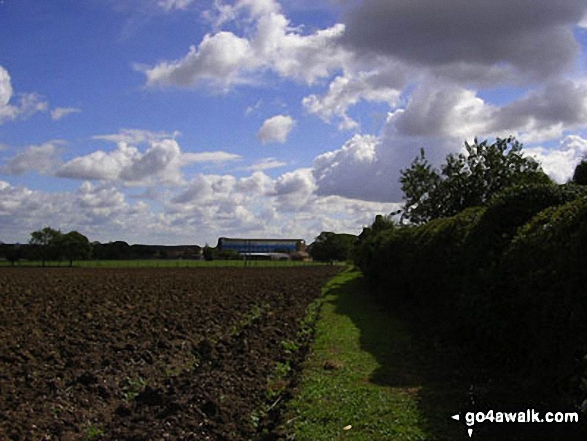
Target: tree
(75, 246)
(465, 180)
(580, 175)
(46, 243)
(13, 253)
(330, 246)
(208, 252)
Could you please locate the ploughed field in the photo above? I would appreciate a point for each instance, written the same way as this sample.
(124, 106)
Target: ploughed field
(141, 354)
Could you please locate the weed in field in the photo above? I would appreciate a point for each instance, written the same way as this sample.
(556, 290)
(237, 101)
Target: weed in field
(132, 387)
(290, 346)
(92, 432)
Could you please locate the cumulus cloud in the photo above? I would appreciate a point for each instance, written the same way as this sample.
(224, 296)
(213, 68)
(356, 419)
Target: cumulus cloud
(206, 188)
(100, 165)
(437, 109)
(220, 59)
(210, 206)
(42, 159)
(27, 105)
(276, 129)
(367, 167)
(260, 205)
(294, 190)
(528, 37)
(92, 209)
(160, 163)
(224, 59)
(258, 184)
(60, 112)
(347, 90)
(356, 171)
(559, 163)
(546, 113)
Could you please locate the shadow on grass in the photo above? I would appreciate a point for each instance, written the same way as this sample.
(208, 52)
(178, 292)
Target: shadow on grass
(446, 383)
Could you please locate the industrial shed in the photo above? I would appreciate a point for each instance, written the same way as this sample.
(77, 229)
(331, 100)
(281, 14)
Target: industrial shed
(247, 246)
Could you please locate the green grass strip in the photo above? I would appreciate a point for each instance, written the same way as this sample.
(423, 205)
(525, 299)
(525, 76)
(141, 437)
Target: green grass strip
(357, 373)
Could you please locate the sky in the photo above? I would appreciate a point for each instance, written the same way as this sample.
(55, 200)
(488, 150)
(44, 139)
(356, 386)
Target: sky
(180, 121)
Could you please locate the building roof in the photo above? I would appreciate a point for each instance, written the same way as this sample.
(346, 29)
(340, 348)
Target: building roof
(259, 240)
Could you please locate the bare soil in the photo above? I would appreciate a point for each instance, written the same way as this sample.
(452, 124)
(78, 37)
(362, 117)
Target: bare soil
(144, 354)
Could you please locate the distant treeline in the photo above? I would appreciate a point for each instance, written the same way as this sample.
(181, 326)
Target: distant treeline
(123, 251)
(506, 282)
(117, 250)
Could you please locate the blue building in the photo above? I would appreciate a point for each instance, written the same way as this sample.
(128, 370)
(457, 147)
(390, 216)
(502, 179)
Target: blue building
(245, 246)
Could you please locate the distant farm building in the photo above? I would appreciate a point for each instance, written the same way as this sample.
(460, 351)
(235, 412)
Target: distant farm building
(264, 248)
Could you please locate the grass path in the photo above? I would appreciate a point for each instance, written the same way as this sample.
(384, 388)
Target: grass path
(364, 371)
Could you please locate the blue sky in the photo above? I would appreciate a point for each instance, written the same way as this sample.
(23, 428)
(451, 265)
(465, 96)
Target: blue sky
(178, 121)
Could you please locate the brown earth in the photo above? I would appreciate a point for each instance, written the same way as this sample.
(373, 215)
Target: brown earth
(145, 354)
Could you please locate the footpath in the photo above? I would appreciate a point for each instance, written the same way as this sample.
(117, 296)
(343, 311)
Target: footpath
(365, 379)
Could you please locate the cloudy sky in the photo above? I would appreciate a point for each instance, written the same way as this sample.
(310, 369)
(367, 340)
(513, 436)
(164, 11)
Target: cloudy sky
(178, 121)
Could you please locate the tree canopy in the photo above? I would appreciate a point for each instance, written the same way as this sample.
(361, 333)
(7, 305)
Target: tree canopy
(75, 246)
(580, 175)
(45, 244)
(330, 246)
(50, 244)
(465, 179)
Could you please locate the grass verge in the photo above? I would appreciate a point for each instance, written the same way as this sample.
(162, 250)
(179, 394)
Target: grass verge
(364, 371)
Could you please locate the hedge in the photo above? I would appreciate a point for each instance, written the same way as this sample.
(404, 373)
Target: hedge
(510, 277)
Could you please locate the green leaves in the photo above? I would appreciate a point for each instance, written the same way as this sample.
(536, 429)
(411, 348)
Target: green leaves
(465, 180)
(51, 244)
(580, 175)
(330, 246)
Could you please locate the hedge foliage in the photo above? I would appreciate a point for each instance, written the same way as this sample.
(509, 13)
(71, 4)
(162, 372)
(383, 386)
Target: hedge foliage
(510, 277)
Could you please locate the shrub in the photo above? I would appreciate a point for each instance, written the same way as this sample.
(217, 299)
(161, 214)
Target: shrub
(545, 305)
(482, 289)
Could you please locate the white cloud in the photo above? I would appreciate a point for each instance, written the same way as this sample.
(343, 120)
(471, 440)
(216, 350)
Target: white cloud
(169, 5)
(42, 159)
(209, 207)
(205, 189)
(545, 113)
(265, 164)
(100, 165)
(190, 158)
(160, 163)
(437, 109)
(257, 184)
(220, 60)
(224, 59)
(559, 163)
(136, 136)
(28, 104)
(91, 210)
(276, 129)
(346, 91)
(253, 108)
(294, 190)
(355, 171)
(439, 119)
(60, 112)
